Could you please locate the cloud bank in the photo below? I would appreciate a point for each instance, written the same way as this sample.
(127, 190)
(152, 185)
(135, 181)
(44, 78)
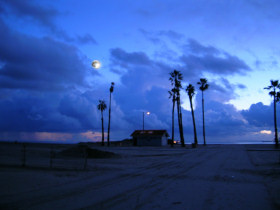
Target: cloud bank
(46, 95)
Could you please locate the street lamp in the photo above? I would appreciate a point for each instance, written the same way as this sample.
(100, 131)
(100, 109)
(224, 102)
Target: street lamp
(147, 113)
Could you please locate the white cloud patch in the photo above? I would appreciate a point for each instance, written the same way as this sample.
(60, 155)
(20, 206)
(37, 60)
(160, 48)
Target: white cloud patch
(268, 132)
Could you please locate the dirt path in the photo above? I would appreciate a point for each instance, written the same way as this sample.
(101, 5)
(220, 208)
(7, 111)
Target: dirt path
(212, 177)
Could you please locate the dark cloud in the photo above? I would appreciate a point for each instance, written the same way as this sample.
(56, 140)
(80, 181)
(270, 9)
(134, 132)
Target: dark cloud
(38, 63)
(197, 58)
(172, 35)
(221, 65)
(141, 73)
(241, 86)
(122, 58)
(260, 115)
(86, 39)
(144, 88)
(223, 119)
(70, 111)
(32, 69)
(80, 109)
(150, 36)
(157, 37)
(39, 78)
(44, 16)
(195, 47)
(24, 111)
(32, 10)
(221, 90)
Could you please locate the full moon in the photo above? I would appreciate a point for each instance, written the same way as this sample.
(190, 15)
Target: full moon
(96, 64)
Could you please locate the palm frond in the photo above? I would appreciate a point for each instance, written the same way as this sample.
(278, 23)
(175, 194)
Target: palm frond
(274, 83)
(190, 90)
(277, 96)
(203, 84)
(102, 105)
(272, 93)
(170, 94)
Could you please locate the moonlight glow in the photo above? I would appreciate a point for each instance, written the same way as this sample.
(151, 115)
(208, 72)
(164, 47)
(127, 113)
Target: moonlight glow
(96, 64)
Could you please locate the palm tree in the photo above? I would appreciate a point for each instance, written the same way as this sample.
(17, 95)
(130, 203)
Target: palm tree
(278, 97)
(102, 106)
(109, 123)
(172, 94)
(176, 77)
(203, 86)
(274, 85)
(190, 91)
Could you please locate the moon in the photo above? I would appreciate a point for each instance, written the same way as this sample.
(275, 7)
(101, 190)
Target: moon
(96, 64)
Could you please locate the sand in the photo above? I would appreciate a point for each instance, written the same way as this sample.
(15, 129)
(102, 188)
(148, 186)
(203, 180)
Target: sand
(211, 177)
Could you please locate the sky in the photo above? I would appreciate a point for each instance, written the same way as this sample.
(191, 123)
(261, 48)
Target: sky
(50, 92)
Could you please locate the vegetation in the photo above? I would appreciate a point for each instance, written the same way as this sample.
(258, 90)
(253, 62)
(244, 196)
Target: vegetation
(109, 123)
(102, 106)
(175, 78)
(203, 86)
(172, 94)
(190, 90)
(274, 85)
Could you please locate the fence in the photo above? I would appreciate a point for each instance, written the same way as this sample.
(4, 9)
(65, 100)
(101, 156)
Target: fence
(46, 156)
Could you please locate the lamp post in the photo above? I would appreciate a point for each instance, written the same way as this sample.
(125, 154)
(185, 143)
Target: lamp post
(147, 113)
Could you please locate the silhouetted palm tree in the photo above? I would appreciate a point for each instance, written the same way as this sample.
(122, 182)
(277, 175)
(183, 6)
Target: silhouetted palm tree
(176, 77)
(203, 86)
(102, 106)
(274, 86)
(190, 91)
(109, 123)
(278, 97)
(172, 94)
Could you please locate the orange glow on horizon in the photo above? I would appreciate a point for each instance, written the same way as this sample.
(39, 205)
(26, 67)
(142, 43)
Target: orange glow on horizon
(268, 132)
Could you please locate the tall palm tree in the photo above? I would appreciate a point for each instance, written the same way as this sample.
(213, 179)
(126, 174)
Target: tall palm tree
(109, 123)
(176, 77)
(273, 87)
(278, 96)
(203, 86)
(191, 92)
(172, 94)
(102, 106)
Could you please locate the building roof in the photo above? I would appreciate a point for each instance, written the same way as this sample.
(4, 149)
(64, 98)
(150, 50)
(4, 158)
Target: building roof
(150, 133)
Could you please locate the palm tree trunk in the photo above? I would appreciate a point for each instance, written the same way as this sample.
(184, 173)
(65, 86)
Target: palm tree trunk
(203, 122)
(178, 112)
(109, 123)
(194, 127)
(180, 122)
(275, 123)
(173, 108)
(102, 129)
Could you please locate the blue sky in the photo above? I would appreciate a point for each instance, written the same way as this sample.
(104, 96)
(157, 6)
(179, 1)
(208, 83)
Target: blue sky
(49, 91)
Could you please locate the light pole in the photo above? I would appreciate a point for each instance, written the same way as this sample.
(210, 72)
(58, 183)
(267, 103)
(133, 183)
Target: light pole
(147, 113)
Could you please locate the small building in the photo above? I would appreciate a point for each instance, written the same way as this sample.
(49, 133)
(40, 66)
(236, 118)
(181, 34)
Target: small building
(150, 137)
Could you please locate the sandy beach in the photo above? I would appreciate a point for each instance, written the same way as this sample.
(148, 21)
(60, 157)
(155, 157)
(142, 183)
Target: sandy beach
(211, 177)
